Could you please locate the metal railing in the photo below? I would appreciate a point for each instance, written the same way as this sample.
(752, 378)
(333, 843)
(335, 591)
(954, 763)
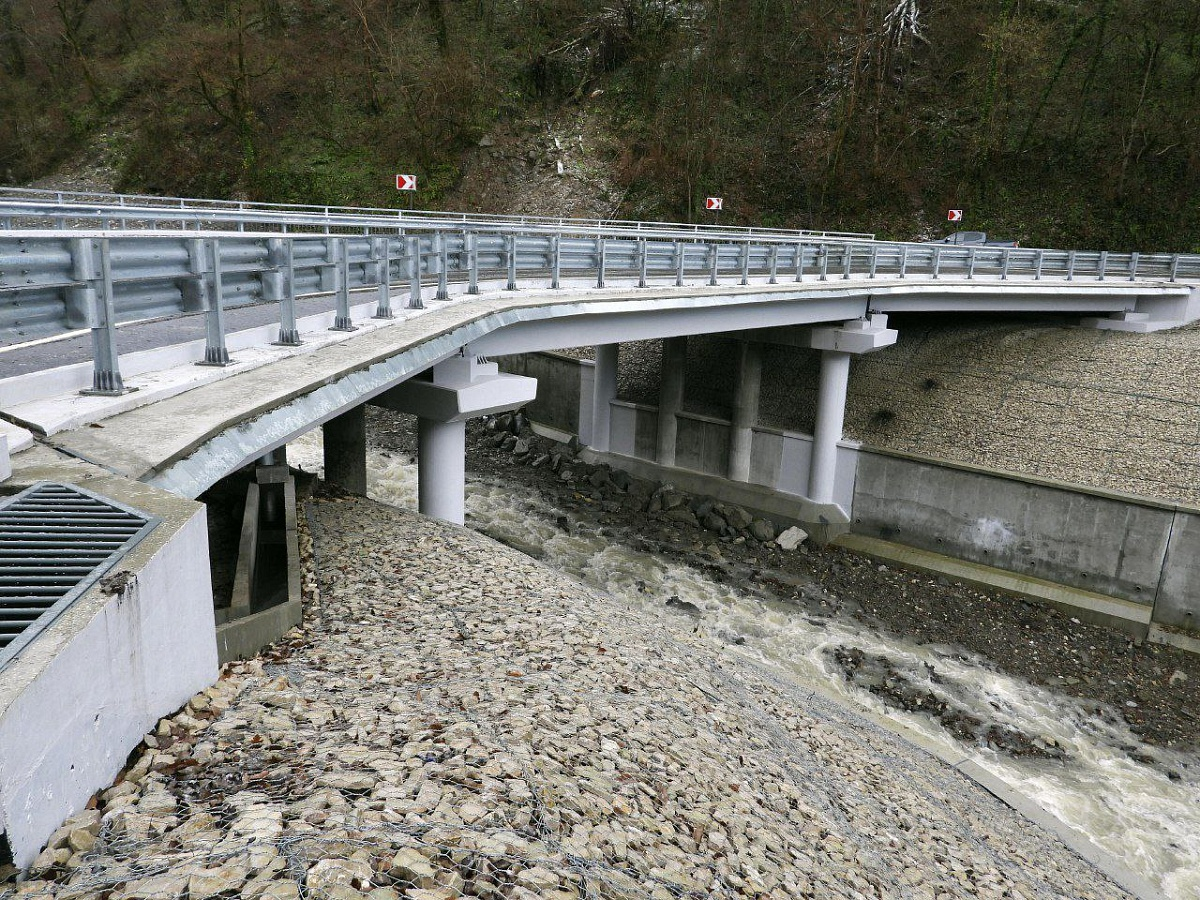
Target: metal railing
(55, 281)
(124, 210)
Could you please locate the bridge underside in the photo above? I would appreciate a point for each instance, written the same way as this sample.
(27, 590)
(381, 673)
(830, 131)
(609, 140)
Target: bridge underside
(186, 443)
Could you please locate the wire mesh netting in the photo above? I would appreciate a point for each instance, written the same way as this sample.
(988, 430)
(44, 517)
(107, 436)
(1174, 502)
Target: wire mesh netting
(457, 721)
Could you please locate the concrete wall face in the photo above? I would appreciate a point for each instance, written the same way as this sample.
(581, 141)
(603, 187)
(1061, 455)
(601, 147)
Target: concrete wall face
(1140, 552)
(1095, 543)
(1178, 601)
(70, 727)
(702, 444)
(559, 377)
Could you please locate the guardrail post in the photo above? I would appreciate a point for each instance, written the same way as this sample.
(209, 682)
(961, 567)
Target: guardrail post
(937, 261)
(823, 253)
(848, 252)
(874, 260)
(327, 272)
(715, 250)
(1007, 259)
(471, 242)
(215, 351)
(555, 261)
(641, 262)
(271, 277)
(414, 273)
(289, 335)
(1070, 265)
(106, 373)
(341, 321)
(382, 251)
(1174, 267)
(1102, 265)
(1041, 261)
(443, 291)
(774, 265)
(601, 260)
(800, 261)
(680, 256)
(510, 252)
(746, 263)
(1133, 265)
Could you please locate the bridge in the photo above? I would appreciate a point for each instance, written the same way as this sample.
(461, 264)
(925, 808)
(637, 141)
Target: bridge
(154, 346)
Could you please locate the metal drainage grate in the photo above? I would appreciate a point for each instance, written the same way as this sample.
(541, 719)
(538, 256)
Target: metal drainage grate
(56, 540)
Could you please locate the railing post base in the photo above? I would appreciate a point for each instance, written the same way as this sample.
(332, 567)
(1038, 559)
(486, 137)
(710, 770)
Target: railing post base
(215, 356)
(287, 338)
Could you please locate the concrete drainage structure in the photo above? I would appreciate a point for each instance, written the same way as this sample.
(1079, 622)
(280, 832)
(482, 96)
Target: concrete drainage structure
(75, 701)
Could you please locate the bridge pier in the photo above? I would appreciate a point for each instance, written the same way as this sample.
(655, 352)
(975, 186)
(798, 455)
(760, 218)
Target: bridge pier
(670, 397)
(837, 345)
(443, 398)
(604, 392)
(441, 465)
(745, 409)
(344, 441)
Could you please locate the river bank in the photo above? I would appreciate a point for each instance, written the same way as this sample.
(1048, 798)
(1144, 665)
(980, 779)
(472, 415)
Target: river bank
(457, 720)
(1151, 688)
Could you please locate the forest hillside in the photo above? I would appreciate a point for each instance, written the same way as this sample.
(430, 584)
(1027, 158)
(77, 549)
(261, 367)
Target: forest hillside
(1055, 122)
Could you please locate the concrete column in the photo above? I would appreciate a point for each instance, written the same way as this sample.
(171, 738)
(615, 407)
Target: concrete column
(604, 391)
(345, 444)
(670, 397)
(745, 409)
(831, 413)
(442, 470)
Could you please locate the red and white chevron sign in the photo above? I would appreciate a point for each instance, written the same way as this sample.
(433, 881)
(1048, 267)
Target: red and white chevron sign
(406, 182)
(713, 202)
(954, 215)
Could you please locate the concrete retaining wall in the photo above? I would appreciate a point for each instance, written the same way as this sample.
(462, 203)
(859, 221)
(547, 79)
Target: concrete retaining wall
(79, 698)
(779, 459)
(564, 384)
(1134, 549)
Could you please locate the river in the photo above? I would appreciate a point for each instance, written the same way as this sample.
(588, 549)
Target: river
(1132, 810)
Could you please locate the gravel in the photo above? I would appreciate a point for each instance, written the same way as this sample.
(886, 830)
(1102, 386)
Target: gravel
(456, 720)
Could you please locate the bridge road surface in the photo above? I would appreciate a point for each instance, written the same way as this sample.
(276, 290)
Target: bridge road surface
(17, 357)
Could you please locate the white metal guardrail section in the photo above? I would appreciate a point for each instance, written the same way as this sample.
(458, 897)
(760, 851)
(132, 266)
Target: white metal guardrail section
(124, 210)
(53, 281)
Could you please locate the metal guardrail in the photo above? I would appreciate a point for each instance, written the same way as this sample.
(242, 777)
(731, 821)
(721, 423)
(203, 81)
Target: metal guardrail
(126, 209)
(55, 281)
